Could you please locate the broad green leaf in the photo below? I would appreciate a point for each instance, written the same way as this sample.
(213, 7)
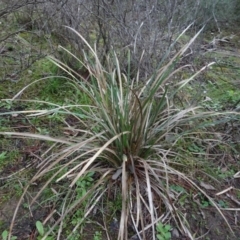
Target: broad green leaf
(159, 227)
(4, 235)
(167, 227)
(40, 228)
(159, 237)
(3, 155)
(167, 235)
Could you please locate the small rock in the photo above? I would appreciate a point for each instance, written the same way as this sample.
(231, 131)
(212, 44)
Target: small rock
(175, 233)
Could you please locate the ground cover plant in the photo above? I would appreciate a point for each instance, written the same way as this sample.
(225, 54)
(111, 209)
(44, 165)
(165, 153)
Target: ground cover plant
(123, 143)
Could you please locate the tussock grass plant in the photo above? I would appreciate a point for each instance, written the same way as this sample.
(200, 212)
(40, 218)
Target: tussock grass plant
(123, 143)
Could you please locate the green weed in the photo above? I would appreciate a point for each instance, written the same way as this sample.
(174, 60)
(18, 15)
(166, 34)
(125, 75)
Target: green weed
(97, 235)
(41, 231)
(5, 235)
(3, 156)
(163, 231)
(7, 104)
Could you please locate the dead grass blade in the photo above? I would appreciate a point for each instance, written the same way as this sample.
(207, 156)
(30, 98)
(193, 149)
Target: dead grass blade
(124, 213)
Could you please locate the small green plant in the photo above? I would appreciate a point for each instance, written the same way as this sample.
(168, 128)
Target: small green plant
(97, 235)
(7, 104)
(195, 148)
(5, 234)
(238, 193)
(83, 184)
(222, 204)
(163, 231)
(3, 156)
(224, 173)
(205, 203)
(178, 188)
(41, 231)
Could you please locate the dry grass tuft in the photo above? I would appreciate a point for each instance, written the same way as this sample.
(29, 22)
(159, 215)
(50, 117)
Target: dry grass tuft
(123, 142)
